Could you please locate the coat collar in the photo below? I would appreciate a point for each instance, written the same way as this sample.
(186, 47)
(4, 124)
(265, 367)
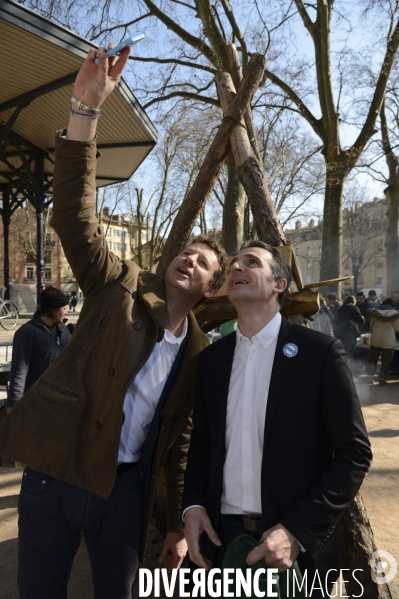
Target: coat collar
(151, 291)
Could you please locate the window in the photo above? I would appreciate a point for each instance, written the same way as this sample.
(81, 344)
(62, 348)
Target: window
(49, 239)
(109, 234)
(380, 265)
(378, 281)
(360, 280)
(123, 247)
(296, 250)
(29, 273)
(133, 235)
(48, 275)
(379, 249)
(346, 265)
(109, 244)
(118, 232)
(123, 233)
(29, 259)
(309, 265)
(48, 256)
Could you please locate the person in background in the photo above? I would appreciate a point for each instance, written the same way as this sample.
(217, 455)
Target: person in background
(37, 343)
(333, 304)
(384, 325)
(74, 301)
(372, 300)
(321, 321)
(346, 329)
(364, 311)
(395, 299)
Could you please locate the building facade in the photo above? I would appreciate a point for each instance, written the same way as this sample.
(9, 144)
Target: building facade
(364, 257)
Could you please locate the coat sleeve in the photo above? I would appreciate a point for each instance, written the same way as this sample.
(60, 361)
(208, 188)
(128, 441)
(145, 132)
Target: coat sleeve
(197, 473)
(22, 349)
(174, 477)
(315, 516)
(74, 217)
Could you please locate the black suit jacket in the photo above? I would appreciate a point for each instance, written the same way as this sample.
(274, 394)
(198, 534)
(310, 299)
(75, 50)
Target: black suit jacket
(316, 451)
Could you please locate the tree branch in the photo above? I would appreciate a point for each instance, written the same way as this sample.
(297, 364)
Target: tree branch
(183, 63)
(310, 26)
(193, 41)
(316, 124)
(125, 26)
(181, 94)
(378, 97)
(237, 32)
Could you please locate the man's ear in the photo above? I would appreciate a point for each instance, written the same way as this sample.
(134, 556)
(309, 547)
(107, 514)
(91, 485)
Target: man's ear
(211, 292)
(281, 285)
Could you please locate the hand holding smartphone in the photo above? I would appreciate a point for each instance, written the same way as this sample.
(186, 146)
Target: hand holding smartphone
(129, 41)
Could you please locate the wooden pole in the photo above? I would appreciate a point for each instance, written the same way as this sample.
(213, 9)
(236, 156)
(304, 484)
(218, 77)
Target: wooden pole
(250, 170)
(212, 165)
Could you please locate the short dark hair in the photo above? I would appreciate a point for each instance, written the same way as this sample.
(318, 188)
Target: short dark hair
(220, 274)
(332, 296)
(349, 300)
(49, 312)
(388, 302)
(372, 292)
(360, 293)
(278, 265)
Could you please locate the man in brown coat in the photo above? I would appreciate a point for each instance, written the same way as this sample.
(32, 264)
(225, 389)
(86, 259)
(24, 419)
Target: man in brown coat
(110, 420)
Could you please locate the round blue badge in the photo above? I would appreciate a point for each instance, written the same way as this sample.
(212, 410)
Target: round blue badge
(290, 350)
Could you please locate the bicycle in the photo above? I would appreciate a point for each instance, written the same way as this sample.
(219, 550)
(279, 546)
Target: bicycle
(8, 314)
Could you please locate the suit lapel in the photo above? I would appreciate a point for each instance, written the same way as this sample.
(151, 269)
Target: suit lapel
(279, 373)
(222, 377)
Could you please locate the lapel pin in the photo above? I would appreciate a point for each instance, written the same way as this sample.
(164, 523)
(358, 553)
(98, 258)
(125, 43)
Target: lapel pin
(290, 350)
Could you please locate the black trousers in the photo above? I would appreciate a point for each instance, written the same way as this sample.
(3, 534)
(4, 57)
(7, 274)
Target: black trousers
(54, 515)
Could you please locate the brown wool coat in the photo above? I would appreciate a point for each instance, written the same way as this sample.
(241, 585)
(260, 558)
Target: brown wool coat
(68, 423)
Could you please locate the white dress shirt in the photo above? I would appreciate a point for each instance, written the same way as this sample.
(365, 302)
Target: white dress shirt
(245, 423)
(144, 393)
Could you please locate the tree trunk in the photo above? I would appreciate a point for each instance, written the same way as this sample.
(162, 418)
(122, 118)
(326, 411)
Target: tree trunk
(331, 266)
(233, 210)
(359, 547)
(391, 240)
(211, 167)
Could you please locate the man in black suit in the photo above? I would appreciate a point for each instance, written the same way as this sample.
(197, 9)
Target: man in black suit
(279, 447)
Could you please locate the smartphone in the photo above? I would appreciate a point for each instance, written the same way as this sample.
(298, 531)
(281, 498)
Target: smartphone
(129, 41)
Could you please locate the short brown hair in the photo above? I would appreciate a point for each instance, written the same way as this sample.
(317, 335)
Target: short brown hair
(278, 265)
(220, 274)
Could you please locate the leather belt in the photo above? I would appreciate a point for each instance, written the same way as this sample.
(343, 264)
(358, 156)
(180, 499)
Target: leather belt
(125, 467)
(254, 524)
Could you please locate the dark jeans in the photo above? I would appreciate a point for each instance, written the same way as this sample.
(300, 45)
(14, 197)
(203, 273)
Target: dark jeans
(385, 360)
(53, 515)
(230, 529)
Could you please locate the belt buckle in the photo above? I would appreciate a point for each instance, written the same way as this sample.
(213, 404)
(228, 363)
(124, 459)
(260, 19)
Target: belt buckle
(253, 524)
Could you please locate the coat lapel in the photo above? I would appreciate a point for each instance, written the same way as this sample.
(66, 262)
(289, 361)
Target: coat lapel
(279, 373)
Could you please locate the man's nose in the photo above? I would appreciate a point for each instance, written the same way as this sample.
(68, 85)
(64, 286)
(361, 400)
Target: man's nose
(236, 266)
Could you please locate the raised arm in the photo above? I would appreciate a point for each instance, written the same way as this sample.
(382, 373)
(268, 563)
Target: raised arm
(74, 216)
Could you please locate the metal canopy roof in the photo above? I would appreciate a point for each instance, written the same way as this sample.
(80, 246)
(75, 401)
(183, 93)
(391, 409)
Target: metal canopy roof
(39, 64)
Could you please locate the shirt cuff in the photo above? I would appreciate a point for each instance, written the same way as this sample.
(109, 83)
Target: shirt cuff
(189, 508)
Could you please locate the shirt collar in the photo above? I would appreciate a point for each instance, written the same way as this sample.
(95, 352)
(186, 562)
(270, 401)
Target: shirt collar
(266, 336)
(169, 338)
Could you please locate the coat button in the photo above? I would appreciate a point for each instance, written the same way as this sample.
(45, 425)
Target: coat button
(137, 326)
(134, 295)
(111, 371)
(98, 425)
